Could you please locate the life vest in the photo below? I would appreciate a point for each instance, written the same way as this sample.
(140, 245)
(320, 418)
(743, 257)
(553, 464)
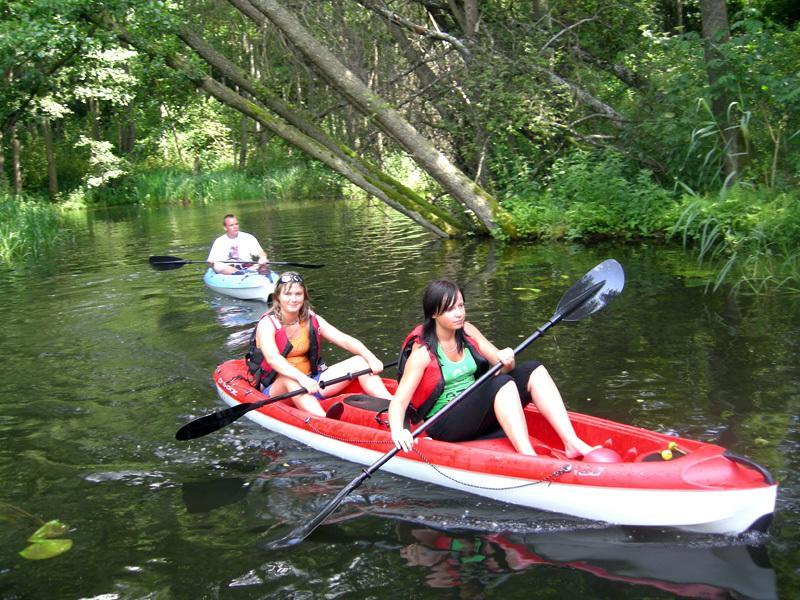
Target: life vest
(261, 372)
(432, 383)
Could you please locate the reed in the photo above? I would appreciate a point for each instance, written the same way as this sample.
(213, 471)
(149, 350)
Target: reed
(750, 235)
(27, 227)
(170, 186)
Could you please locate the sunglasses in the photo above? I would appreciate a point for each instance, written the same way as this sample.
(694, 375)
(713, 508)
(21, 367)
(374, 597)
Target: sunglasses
(290, 278)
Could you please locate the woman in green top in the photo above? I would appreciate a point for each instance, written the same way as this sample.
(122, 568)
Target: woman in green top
(445, 355)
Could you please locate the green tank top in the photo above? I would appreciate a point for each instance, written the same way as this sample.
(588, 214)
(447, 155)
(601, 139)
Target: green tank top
(458, 376)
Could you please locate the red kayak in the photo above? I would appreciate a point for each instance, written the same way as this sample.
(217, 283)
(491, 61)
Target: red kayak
(638, 477)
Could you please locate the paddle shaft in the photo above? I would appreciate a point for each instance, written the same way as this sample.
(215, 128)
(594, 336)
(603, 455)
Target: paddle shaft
(215, 421)
(298, 536)
(175, 262)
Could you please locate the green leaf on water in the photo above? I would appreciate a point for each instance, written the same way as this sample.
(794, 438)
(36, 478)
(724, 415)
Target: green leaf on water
(42, 549)
(51, 529)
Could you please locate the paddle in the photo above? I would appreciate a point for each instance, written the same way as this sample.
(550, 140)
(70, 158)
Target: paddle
(166, 263)
(589, 295)
(211, 423)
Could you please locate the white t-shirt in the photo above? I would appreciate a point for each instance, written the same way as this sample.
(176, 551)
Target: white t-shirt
(244, 247)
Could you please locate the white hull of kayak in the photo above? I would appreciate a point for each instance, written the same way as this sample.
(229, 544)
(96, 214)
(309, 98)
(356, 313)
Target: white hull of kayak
(250, 286)
(718, 511)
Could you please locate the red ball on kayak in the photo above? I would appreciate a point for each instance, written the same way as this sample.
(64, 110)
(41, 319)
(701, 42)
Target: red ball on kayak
(602, 455)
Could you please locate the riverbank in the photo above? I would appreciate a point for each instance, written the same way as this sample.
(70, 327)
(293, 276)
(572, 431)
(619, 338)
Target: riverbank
(745, 237)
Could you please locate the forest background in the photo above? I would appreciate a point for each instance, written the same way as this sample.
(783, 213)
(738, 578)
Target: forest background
(581, 120)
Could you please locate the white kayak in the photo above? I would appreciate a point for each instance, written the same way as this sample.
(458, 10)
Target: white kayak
(248, 286)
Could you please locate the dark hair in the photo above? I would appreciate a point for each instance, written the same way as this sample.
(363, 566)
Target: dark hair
(228, 216)
(289, 278)
(439, 296)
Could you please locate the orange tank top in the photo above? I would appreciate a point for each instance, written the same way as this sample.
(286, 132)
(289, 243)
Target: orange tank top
(298, 357)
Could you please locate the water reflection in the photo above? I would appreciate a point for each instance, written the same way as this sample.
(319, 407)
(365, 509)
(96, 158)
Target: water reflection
(210, 494)
(693, 571)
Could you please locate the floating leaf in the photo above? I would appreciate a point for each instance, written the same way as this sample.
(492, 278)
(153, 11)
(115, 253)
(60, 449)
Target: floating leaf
(51, 529)
(42, 549)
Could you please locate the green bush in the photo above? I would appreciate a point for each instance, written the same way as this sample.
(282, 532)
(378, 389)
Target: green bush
(592, 196)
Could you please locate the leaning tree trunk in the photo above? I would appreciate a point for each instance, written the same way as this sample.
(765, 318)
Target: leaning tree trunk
(716, 29)
(389, 187)
(251, 109)
(486, 209)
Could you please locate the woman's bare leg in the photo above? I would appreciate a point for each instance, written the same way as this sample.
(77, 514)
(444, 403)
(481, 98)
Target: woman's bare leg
(547, 399)
(305, 402)
(508, 409)
(371, 384)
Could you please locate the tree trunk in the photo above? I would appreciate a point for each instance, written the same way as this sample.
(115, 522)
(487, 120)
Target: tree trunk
(673, 15)
(171, 124)
(243, 141)
(52, 174)
(126, 132)
(16, 169)
(716, 29)
(3, 176)
(94, 119)
(486, 209)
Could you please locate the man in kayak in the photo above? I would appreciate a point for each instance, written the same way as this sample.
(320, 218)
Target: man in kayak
(235, 245)
(285, 351)
(444, 355)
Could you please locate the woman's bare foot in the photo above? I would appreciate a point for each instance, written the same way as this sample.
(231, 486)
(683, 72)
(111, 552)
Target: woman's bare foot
(578, 449)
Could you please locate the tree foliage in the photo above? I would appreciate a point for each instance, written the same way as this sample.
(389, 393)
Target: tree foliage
(509, 92)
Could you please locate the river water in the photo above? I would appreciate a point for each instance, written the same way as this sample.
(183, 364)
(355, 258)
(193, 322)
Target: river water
(103, 359)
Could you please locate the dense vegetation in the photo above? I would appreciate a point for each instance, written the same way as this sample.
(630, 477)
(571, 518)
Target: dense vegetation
(559, 119)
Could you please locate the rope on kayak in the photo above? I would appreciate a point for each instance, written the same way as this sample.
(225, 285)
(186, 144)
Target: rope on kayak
(548, 480)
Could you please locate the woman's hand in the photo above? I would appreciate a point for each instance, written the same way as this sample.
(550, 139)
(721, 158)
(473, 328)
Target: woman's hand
(403, 440)
(374, 364)
(309, 383)
(506, 358)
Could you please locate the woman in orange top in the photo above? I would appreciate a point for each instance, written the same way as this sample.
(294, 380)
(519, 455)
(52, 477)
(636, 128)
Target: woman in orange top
(285, 351)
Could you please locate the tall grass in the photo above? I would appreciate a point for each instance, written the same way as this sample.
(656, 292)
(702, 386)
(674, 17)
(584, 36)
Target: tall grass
(752, 236)
(170, 186)
(27, 227)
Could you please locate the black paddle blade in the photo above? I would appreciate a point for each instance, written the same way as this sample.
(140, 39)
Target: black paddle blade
(166, 263)
(211, 423)
(606, 280)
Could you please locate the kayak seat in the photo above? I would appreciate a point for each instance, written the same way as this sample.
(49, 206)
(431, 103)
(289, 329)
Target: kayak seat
(362, 409)
(365, 402)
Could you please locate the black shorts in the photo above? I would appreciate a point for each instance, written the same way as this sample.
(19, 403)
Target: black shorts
(473, 417)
